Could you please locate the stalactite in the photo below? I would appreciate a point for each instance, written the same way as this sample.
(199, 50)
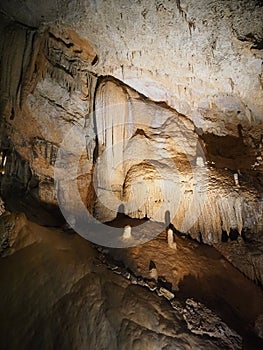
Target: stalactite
(45, 149)
(149, 171)
(90, 82)
(20, 48)
(206, 213)
(16, 172)
(63, 78)
(112, 119)
(148, 182)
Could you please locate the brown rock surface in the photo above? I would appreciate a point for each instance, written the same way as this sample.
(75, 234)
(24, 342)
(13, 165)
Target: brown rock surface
(56, 293)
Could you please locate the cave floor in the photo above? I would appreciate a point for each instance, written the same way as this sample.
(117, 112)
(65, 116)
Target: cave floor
(194, 270)
(198, 271)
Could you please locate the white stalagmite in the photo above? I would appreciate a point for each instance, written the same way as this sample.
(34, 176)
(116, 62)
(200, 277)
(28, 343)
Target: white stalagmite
(127, 232)
(236, 179)
(200, 161)
(170, 239)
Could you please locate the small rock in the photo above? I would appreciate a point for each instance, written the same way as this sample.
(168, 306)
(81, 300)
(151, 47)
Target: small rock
(118, 271)
(140, 281)
(133, 279)
(127, 275)
(166, 293)
(151, 284)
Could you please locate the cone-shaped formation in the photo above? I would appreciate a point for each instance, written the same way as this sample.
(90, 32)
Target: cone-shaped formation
(153, 271)
(127, 232)
(170, 239)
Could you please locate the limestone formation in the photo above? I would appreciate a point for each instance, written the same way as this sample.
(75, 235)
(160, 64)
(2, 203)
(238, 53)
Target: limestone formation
(166, 293)
(236, 179)
(127, 232)
(153, 273)
(170, 239)
(135, 151)
(201, 320)
(200, 161)
(155, 107)
(247, 257)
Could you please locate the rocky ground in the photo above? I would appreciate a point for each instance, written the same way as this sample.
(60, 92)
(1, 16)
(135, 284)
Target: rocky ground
(60, 291)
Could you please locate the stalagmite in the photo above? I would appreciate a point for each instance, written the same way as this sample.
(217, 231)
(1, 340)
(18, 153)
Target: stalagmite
(126, 235)
(236, 179)
(153, 271)
(200, 161)
(170, 239)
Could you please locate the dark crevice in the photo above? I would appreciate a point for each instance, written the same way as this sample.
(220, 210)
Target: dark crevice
(12, 116)
(250, 37)
(224, 237)
(233, 234)
(258, 45)
(96, 148)
(57, 65)
(68, 45)
(54, 103)
(179, 7)
(95, 60)
(140, 132)
(228, 151)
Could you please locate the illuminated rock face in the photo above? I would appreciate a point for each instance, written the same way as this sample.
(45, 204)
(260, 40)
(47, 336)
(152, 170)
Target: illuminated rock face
(175, 157)
(156, 109)
(202, 58)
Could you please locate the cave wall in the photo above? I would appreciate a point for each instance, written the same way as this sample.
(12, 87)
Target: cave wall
(202, 58)
(150, 88)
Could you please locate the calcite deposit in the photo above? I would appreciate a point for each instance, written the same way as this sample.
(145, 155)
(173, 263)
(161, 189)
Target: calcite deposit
(149, 109)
